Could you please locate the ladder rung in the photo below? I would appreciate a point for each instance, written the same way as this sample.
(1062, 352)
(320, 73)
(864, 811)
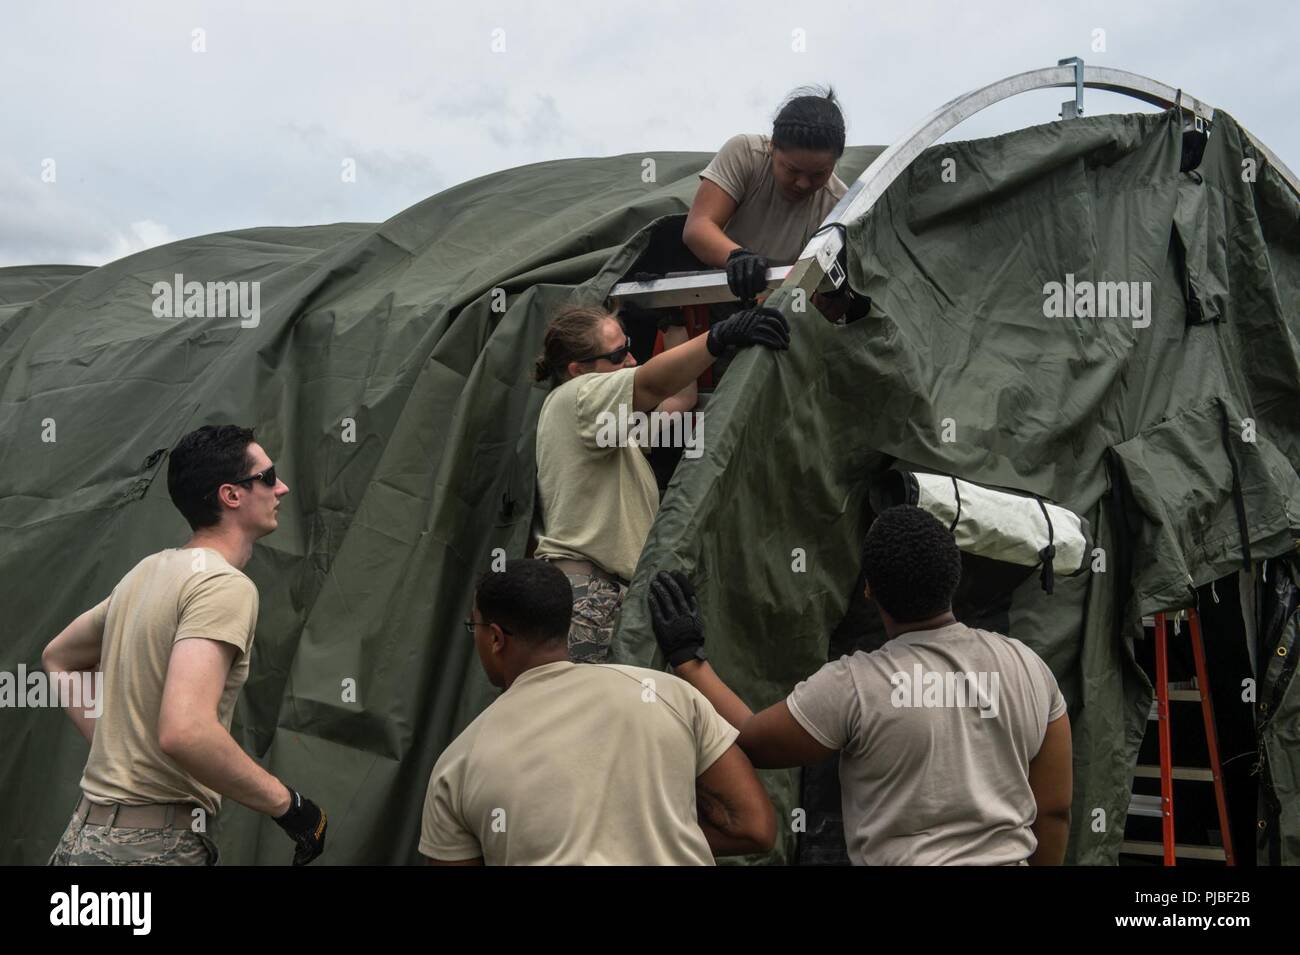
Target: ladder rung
(1193, 773)
(1142, 805)
(1211, 853)
(1175, 696)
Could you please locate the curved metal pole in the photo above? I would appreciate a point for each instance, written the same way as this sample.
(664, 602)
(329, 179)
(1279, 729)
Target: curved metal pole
(819, 256)
(823, 248)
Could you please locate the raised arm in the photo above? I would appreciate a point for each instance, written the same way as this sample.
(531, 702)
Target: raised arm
(772, 739)
(669, 372)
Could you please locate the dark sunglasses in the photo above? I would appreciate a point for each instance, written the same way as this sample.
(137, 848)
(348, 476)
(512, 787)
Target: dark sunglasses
(267, 477)
(615, 356)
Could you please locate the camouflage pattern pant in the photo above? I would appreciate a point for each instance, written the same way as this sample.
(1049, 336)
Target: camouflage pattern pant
(596, 605)
(101, 845)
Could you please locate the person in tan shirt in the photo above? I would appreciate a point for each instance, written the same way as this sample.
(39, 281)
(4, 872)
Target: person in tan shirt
(597, 495)
(763, 197)
(954, 743)
(583, 764)
(172, 643)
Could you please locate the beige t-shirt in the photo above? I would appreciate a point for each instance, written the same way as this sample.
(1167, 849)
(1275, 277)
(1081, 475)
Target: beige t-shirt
(170, 596)
(765, 221)
(597, 502)
(934, 770)
(578, 764)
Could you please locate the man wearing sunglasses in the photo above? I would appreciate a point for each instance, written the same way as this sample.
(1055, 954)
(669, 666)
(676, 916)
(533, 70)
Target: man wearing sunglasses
(597, 502)
(173, 642)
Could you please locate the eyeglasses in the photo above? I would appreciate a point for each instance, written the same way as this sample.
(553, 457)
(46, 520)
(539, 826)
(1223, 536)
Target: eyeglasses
(616, 356)
(267, 477)
(471, 624)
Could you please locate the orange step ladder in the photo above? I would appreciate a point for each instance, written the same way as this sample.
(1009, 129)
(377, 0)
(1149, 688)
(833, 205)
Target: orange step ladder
(1163, 806)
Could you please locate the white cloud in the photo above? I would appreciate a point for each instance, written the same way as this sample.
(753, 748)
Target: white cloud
(252, 132)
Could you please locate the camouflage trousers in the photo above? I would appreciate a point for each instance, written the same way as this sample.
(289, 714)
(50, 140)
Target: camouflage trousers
(104, 845)
(596, 606)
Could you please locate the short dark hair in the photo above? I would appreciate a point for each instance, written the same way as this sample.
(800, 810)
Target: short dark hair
(530, 598)
(201, 462)
(810, 118)
(912, 563)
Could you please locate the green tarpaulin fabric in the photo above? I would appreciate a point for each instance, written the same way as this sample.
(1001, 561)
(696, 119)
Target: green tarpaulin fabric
(397, 403)
(958, 370)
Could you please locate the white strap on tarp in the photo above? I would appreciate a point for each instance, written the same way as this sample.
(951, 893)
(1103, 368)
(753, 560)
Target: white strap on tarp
(1001, 525)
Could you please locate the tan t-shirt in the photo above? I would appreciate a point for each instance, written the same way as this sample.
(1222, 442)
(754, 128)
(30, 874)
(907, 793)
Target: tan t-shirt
(597, 502)
(170, 596)
(765, 221)
(591, 764)
(934, 770)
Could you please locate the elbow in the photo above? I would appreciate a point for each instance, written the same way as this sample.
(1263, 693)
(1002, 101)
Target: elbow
(690, 234)
(50, 661)
(759, 828)
(1056, 814)
(178, 737)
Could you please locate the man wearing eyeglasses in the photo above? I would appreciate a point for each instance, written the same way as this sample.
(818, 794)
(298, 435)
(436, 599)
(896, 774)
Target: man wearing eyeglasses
(173, 642)
(597, 501)
(584, 764)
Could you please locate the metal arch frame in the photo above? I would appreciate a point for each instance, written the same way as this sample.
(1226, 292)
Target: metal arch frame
(819, 257)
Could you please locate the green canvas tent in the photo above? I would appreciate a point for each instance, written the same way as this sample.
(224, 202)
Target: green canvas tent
(397, 403)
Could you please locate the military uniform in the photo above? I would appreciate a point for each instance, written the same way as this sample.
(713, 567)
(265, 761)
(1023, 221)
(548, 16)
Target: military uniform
(139, 805)
(115, 843)
(596, 606)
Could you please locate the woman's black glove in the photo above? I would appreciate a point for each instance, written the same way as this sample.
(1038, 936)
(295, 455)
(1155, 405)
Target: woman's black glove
(754, 326)
(746, 273)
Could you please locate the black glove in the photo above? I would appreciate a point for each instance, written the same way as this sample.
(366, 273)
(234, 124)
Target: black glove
(675, 615)
(305, 823)
(746, 273)
(754, 326)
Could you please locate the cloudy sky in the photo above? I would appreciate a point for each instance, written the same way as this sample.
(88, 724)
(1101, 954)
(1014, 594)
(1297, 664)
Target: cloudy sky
(124, 128)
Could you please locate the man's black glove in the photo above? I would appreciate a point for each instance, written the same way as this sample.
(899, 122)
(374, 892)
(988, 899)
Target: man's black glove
(754, 326)
(746, 273)
(305, 823)
(675, 615)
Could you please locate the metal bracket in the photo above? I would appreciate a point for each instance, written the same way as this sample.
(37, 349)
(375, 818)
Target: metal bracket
(828, 257)
(1073, 110)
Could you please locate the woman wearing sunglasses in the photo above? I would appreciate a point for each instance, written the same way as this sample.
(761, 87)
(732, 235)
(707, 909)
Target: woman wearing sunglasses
(597, 500)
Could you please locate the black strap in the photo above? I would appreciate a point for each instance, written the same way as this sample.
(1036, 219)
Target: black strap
(957, 517)
(1238, 501)
(1048, 554)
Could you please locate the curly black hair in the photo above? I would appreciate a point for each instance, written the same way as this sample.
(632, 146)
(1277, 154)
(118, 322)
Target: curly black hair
(530, 598)
(911, 563)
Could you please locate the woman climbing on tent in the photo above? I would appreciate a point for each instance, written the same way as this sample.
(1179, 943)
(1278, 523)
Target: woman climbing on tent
(596, 492)
(761, 198)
